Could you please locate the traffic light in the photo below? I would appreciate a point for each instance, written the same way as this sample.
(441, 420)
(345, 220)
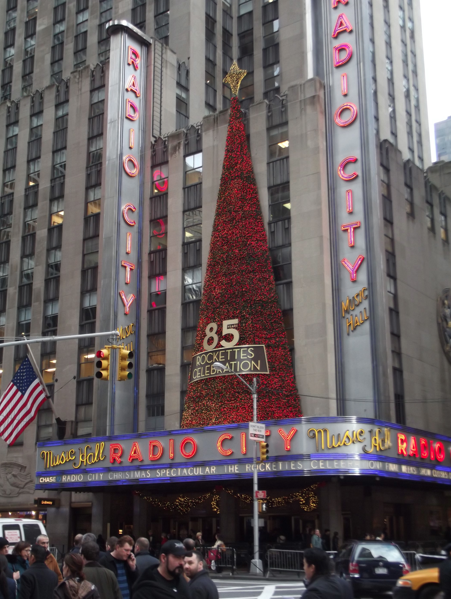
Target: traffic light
(264, 451)
(125, 365)
(103, 364)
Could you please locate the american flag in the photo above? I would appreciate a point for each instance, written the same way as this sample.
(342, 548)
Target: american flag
(20, 402)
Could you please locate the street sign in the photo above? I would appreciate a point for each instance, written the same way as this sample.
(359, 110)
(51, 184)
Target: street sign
(260, 494)
(257, 431)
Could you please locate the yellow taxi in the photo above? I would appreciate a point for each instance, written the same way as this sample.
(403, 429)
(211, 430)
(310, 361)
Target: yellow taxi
(421, 584)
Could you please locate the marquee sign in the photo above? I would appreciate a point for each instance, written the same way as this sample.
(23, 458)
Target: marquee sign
(350, 137)
(122, 206)
(297, 447)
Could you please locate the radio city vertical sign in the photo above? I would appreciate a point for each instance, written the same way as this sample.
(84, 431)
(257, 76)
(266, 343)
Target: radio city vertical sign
(122, 211)
(349, 139)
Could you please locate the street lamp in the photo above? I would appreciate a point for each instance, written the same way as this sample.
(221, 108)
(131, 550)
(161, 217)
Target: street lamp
(256, 563)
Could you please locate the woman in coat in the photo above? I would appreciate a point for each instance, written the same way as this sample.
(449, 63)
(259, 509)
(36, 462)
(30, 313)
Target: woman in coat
(74, 584)
(18, 560)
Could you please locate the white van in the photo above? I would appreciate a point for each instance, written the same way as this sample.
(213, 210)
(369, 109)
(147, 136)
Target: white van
(21, 529)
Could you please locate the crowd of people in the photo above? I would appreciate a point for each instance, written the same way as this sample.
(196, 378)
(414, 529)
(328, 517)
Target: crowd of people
(119, 568)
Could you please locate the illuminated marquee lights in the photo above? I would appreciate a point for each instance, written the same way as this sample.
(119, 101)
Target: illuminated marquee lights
(131, 110)
(129, 243)
(224, 437)
(129, 266)
(345, 122)
(339, 62)
(132, 86)
(341, 169)
(135, 453)
(335, 2)
(351, 234)
(287, 437)
(344, 85)
(349, 201)
(153, 457)
(188, 454)
(133, 57)
(353, 268)
(341, 25)
(130, 172)
(243, 443)
(125, 215)
(127, 301)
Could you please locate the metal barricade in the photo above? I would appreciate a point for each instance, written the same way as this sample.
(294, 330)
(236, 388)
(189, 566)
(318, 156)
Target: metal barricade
(411, 559)
(280, 560)
(218, 558)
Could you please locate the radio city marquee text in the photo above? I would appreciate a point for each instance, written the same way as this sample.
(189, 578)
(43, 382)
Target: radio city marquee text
(150, 458)
(131, 167)
(345, 115)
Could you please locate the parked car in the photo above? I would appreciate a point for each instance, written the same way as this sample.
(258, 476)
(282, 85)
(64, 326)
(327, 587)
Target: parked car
(20, 529)
(422, 584)
(371, 565)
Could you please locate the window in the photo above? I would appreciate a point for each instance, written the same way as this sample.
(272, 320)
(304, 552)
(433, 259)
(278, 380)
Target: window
(443, 217)
(11, 16)
(192, 283)
(97, 101)
(279, 202)
(36, 126)
(429, 208)
(5, 227)
(95, 150)
(247, 87)
(56, 212)
(271, 33)
(272, 76)
(53, 262)
(9, 183)
(48, 368)
(8, 56)
(44, 422)
(91, 252)
(157, 291)
(246, 44)
(86, 363)
(159, 234)
(30, 220)
(88, 306)
(244, 6)
(4, 272)
(192, 225)
(156, 350)
(188, 341)
(24, 320)
(160, 179)
(27, 270)
(59, 163)
(81, 21)
(12, 132)
(34, 171)
(29, 45)
(278, 144)
(61, 112)
(162, 26)
(193, 169)
(93, 197)
(58, 32)
(281, 262)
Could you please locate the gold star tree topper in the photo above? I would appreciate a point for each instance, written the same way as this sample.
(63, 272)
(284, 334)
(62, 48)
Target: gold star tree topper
(234, 77)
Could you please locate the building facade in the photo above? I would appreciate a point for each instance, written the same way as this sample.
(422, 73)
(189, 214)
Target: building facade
(307, 105)
(443, 139)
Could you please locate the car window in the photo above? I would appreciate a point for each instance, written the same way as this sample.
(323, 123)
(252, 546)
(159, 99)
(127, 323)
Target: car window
(11, 532)
(345, 552)
(379, 551)
(31, 532)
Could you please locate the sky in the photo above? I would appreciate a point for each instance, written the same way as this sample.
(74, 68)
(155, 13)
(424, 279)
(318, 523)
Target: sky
(436, 17)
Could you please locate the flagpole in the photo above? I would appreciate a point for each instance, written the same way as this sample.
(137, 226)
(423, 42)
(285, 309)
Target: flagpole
(39, 375)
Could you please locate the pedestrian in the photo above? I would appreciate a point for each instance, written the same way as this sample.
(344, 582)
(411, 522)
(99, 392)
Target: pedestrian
(142, 554)
(50, 561)
(7, 585)
(200, 585)
(320, 583)
(4, 550)
(316, 540)
(104, 580)
(39, 581)
(75, 585)
(220, 548)
(335, 541)
(380, 536)
(444, 571)
(199, 542)
(165, 580)
(101, 543)
(18, 560)
(111, 544)
(77, 544)
(189, 544)
(326, 540)
(122, 563)
(90, 537)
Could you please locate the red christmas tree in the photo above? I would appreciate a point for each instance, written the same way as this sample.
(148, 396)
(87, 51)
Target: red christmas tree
(239, 283)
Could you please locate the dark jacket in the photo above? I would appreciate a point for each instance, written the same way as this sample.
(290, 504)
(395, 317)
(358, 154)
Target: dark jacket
(74, 587)
(328, 587)
(17, 563)
(108, 561)
(150, 585)
(144, 560)
(444, 577)
(104, 579)
(201, 586)
(11, 589)
(38, 582)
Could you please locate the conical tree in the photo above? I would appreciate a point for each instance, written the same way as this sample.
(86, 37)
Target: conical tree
(239, 284)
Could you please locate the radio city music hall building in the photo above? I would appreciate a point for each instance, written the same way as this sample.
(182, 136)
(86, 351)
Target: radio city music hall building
(113, 151)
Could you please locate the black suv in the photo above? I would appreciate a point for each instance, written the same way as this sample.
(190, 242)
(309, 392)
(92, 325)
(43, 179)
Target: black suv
(371, 565)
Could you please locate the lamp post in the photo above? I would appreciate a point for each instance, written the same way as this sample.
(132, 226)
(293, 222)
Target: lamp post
(256, 563)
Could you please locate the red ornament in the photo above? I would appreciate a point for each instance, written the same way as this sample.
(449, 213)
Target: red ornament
(239, 283)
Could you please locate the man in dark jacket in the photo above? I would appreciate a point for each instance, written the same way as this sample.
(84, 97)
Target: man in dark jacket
(165, 580)
(122, 563)
(444, 575)
(143, 557)
(318, 579)
(201, 585)
(102, 578)
(38, 582)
